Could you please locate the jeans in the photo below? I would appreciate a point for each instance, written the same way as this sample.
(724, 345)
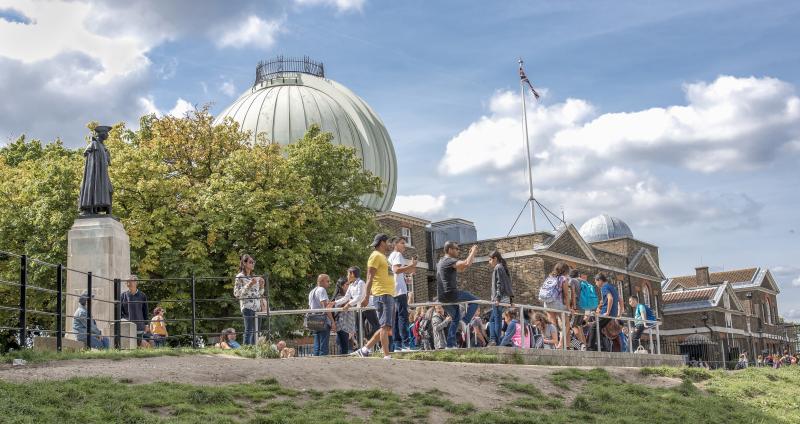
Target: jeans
(159, 340)
(343, 340)
(455, 312)
(400, 331)
(637, 335)
(321, 339)
(249, 326)
(100, 342)
(496, 325)
(371, 318)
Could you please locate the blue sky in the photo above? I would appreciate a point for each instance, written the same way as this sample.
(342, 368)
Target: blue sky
(679, 117)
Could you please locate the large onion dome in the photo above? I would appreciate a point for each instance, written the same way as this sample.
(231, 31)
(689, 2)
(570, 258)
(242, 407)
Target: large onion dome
(604, 227)
(289, 95)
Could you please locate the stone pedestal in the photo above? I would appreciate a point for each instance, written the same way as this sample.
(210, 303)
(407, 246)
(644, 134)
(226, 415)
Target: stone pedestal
(100, 245)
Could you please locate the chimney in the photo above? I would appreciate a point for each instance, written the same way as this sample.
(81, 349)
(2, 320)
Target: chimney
(703, 279)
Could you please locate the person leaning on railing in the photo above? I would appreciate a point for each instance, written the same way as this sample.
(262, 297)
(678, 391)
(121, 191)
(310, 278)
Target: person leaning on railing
(134, 307)
(249, 290)
(502, 292)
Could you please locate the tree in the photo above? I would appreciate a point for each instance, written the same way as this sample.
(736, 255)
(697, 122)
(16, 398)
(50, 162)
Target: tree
(193, 197)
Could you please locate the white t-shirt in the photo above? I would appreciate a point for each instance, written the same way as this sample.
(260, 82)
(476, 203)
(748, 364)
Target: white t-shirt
(316, 297)
(396, 258)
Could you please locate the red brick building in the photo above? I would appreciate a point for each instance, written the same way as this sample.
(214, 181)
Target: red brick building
(736, 309)
(630, 263)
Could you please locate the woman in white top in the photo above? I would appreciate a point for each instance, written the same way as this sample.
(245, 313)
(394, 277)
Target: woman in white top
(547, 330)
(249, 290)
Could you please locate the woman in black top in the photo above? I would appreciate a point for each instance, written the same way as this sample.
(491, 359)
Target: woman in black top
(501, 293)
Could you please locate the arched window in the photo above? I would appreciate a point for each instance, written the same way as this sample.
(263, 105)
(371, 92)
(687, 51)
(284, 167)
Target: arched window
(645, 295)
(620, 293)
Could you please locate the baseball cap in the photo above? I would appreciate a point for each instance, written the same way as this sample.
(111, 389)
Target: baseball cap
(378, 239)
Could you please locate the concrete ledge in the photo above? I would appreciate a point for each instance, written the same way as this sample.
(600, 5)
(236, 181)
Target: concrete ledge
(571, 358)
(49, 344)
(587, 358)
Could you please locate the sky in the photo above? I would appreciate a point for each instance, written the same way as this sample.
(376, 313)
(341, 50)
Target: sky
(681, 117)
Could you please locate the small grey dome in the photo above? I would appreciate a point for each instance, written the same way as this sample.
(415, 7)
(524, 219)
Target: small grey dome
(604, 227)
(290, 95)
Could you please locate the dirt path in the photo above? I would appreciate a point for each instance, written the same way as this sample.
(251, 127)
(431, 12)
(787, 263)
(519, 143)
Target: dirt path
(461, 381)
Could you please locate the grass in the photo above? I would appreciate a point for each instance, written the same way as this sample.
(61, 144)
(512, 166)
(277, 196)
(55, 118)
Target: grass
(33, 356)
(577, 395)
(472, 356)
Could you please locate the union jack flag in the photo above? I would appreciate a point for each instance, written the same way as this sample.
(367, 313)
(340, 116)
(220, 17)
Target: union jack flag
(524, 79)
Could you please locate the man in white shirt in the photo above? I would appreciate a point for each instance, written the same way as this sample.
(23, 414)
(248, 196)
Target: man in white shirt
(318, 299)
(400, 268)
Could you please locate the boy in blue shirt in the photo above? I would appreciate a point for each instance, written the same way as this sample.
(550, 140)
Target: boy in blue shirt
(608, 308)
(641, 312)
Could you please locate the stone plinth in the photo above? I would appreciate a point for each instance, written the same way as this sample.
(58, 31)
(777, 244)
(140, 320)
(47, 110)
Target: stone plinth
(100, 245)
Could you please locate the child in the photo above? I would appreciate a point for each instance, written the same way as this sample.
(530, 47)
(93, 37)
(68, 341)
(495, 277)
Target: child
(513, 334)
(158, 327)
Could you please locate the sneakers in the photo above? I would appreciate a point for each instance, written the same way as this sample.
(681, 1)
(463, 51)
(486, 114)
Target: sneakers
(362, 352)
(387, 357)
(583, 347)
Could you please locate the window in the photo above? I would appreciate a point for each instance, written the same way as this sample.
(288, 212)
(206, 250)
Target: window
(406, 232)
(619, 292)
(645, 295)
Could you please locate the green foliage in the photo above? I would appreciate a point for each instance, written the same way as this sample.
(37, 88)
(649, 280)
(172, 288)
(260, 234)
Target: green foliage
(193, 197)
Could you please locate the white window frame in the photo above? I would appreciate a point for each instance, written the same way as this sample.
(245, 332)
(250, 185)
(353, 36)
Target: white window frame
(646, 295)
(406, 232)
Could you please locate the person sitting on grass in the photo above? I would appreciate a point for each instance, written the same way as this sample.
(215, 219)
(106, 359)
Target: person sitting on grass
(440, 322)
(283, 351)
(513, 334)
(158, 327)
(547, 330)
(227, 340)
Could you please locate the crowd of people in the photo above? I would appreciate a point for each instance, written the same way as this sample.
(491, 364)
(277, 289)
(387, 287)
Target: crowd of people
(567, 294)
(574, 311)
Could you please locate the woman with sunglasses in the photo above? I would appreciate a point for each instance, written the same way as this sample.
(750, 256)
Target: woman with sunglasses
(249, 290)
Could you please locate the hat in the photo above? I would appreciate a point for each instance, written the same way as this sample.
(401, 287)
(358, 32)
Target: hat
(378, 239)
(85, 295)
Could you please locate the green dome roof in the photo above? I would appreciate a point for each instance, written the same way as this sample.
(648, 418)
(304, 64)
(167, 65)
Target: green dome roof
(291, 95)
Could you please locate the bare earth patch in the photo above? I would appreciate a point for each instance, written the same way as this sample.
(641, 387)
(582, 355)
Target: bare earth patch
(462, 382)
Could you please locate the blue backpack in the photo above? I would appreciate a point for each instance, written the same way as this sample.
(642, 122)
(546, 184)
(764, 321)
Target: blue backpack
(648, 315)
(588, 298)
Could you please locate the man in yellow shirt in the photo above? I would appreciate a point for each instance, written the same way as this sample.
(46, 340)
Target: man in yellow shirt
(381, 286)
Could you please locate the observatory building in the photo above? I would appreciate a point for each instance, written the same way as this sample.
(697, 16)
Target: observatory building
(290, 95)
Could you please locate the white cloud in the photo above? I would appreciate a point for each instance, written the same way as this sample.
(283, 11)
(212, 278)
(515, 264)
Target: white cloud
(340, 5)
(227, 88)
(181, 108)
(796, 281)
(791, 315)
(70, 62)
(420, 204)
(148, 105)
(254, 31)
(592, 163)
(786, 275)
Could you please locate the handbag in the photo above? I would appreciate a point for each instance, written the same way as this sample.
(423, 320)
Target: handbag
(612, 329)
(641, 350)
(315, 322)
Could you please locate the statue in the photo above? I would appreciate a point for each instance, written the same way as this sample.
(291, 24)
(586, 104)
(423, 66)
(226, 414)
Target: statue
(96, 189)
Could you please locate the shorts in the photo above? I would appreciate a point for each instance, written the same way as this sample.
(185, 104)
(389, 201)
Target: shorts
(384, 306)
(577, 320)
(556, 304)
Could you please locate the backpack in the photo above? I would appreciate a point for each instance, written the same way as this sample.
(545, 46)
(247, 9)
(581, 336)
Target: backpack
(588, 298)
(649, 315)
(425, 328)
(551, 289)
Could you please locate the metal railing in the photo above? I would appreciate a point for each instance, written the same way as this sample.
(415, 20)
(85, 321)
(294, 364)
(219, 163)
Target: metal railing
(281, 65)
(564, 329)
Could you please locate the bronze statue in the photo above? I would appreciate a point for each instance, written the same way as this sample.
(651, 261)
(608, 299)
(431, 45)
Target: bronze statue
(96, 189)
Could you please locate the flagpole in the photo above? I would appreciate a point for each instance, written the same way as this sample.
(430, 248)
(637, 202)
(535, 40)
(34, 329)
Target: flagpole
(527, 152)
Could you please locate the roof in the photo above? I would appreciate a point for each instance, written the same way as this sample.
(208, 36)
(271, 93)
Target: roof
(604, 227)
(733, 277)
(686, 300)
(282, 105)
(683, 296)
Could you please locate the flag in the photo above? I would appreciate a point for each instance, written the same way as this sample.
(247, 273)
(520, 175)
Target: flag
(524, 79)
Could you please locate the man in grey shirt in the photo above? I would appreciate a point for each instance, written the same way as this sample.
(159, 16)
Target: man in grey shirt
(134, 307)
